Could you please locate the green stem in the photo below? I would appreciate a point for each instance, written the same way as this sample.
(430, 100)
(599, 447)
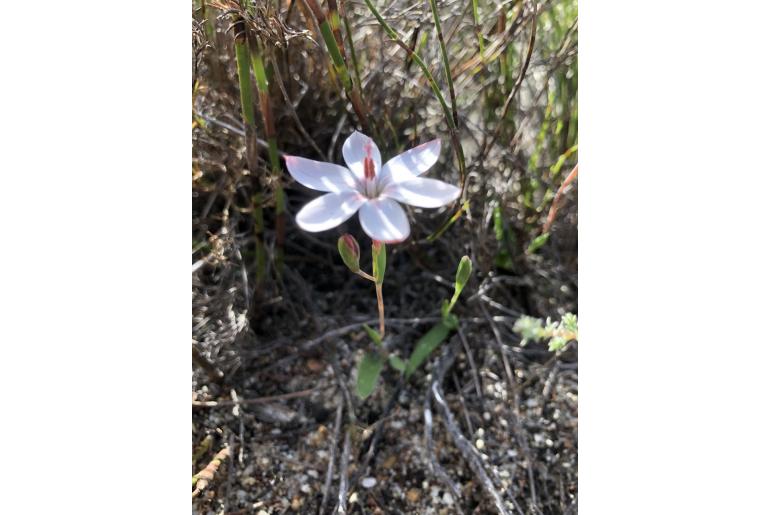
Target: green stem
(433, 85)
(263, 90)
(477, 23)
(380, 309)
(417, 59)
(339, 64)
(445, 59)
(353, 57)
(244, 82)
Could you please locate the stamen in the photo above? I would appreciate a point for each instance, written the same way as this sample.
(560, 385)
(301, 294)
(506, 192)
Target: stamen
(368, 168)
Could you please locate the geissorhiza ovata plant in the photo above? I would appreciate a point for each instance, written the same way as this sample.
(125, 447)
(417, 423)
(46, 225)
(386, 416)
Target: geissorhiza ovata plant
(370, 188)
(374, 191)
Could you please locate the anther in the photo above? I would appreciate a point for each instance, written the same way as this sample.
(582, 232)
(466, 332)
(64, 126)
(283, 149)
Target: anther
(368, 168)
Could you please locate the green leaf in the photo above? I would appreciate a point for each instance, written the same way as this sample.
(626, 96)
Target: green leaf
(378, 261)
(557, 343)
(451, 321)
(426, 345)
(445, 309)
(570, 322)
(464, 269)
(368, 371)
(397, 363)
(530, 329)
(537, 243)
(498, 220)
(373, 335)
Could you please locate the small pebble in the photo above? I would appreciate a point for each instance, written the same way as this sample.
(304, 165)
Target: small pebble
(479, 444)
(413, 495)
(368, 482)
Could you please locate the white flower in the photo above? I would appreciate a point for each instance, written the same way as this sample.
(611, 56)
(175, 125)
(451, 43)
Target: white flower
(371, 188)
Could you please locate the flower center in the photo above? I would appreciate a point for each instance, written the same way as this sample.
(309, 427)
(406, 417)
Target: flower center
(370, 184)
(369, 168)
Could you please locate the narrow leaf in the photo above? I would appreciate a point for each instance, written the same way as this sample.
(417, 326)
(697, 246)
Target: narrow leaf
(368, 371)
(373, 335)
(397, 363)
(425, 346)
(537, 243)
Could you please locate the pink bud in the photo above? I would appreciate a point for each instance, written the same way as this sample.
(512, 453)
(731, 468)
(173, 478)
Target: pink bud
(349, 251)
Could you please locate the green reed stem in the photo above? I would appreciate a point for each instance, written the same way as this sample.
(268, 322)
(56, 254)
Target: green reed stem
(336, 54)
(416, 58)
(244, 82)
(445, 59)
(263, 89)
(257, 62)
(334, 22)
(477, 23)
(353, 57)
(433, 86)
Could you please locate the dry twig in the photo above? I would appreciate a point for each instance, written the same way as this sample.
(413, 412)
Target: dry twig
(467, 450)
(202, 479)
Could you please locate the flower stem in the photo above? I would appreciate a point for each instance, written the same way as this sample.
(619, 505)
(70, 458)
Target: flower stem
(381, 309)
(379, 259)
(366, 276)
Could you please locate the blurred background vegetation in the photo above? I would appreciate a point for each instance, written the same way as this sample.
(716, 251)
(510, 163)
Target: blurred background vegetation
(497, 82)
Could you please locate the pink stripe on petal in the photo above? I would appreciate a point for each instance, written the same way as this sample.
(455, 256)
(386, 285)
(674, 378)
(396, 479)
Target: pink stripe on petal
(356, 148)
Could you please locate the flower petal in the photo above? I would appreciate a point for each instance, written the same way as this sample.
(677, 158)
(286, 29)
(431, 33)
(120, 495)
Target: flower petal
(384, 220)
(421, 192)
(356, 148)
(329, 210)
(410, 164)
(320, 176)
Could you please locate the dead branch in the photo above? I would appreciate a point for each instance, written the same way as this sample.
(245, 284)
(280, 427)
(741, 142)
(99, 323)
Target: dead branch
(332, 456)
(254, 400)
(342, 498)
(467, 450)
(433, 465)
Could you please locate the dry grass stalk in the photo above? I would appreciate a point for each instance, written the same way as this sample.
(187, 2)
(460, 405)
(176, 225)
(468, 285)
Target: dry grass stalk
(202, 479)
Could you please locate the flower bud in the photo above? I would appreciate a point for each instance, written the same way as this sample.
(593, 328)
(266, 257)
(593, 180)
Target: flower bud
(463, 272)
(349, 251)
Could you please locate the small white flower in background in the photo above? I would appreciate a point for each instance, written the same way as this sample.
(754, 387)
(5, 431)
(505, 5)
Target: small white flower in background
(370, 188)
